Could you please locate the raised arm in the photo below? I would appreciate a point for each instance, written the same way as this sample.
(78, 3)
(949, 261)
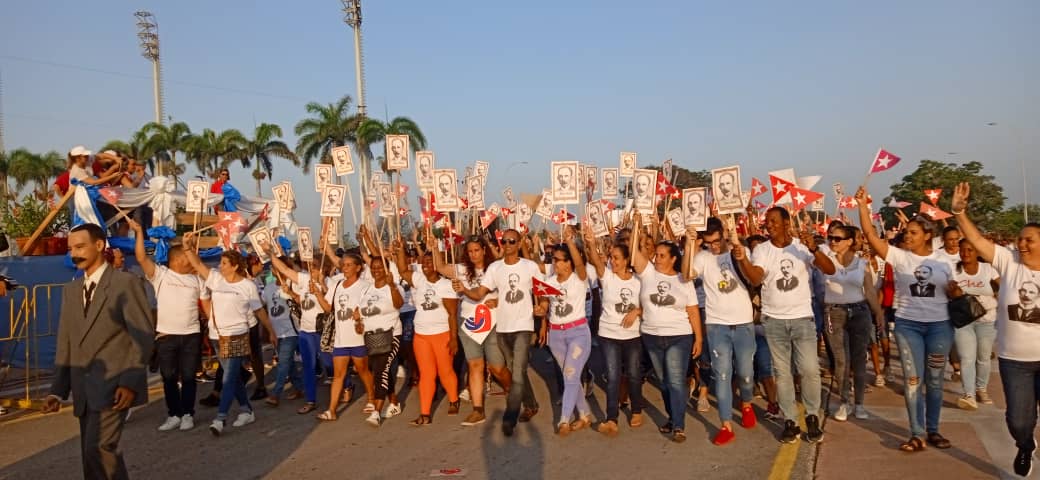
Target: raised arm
(569, 237)
(639, 260)
(189, 244)
(877, 243)
(395, 293)
(442, 268)
(753, 273)
(959, 205)
(147, 265)
(402, 262)
(693, 245)
(283, 269)
(595, 257)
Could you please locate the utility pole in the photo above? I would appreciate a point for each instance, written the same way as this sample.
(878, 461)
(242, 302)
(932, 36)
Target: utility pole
(352, 17)
(148, 34)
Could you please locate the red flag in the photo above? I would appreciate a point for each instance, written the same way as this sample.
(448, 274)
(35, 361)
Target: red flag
(933, 212)
(847, 203)
(883, 161)
(429, 210)
(780, 187)
(542, 289)
(498, 237)
(663, 187)
(562, 217)
(760, 206)
(111, 195)
(402, 190)
(801, 198)
(933, 195)
(487, 218)
(757, 188)
(224, 231)
(898, 203)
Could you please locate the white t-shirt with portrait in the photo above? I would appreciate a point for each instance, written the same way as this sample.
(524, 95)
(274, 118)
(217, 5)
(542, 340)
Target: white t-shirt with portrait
(727, 300)
(431, 318)
(233, 304)
(569, 307)
(277, 303)
(309, 307)
(177, 298)
(846, 285)
(1018, 311)
(981, 287)
(515, 311)
(378, 312)
(920, 285)
(664, 299)
(619, 298)
(786, 286)
(343, 301)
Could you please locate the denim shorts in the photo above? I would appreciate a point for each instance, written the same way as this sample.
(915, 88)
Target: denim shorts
(489, 350)
(350, 352)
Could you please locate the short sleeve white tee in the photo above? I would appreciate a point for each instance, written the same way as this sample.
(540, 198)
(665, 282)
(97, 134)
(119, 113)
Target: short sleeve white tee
(343, 301)
(277, 303)
(727, 300)
(177, 298)
(619, 298)
(79, 173)
(920, 285)
(664, 299)
(846, 285)
(569, 307)
(1018, 311)
(431, 318)
(981, 287)
(515, 311)
(786, 286)
(309, 307)
(378, 312)
(233, 304)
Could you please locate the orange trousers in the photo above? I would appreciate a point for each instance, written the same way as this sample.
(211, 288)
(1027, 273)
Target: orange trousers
(434, 359)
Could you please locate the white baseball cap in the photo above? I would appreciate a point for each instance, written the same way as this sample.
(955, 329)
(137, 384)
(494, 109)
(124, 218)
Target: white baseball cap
(79, 150)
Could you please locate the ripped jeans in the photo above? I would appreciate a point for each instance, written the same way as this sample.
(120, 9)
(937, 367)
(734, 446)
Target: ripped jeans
(729, 343)
(571, 350)
(923, 348)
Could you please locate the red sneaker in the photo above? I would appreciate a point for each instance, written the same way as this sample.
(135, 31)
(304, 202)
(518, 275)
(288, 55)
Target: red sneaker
(724, 436)
(747, 417)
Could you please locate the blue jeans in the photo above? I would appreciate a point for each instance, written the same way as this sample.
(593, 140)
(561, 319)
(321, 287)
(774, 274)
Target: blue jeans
(287, 347)
(921, 342)
(798, 336)
(516, 349)
(975, 345)
(234, 385)
(729, 342)
(615, 353)
(310, 343)
(671, 357)
(763, 362)
(1021, 389)
(571, 350)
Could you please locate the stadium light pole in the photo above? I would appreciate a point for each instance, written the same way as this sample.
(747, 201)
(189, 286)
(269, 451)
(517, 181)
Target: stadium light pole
(1025, 178)
(148, 34)
(352, 17)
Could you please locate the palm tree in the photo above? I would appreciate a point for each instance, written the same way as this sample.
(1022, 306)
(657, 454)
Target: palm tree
(263, 147)
(212, 152)
(138, 148)
(331, 126)
(5, 187)
(39, 169)
(166, 141)
(372, 131)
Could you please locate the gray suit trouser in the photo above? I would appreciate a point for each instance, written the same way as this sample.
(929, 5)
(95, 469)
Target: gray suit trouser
(99, 433)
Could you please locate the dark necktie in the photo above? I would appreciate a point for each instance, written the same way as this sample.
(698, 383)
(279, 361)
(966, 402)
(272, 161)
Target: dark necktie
(88, 293)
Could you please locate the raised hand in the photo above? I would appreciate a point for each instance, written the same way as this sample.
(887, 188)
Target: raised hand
(136, 227)
(189, 241)
(861, 196)
(960, 197)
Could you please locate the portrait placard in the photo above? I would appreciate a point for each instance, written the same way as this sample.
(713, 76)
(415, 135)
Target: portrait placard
(564, 183)
(322, 176)
(725, 184)
(332, 238)
(597, 218)
(545, 205)
(475, 192)
(387, 200)
(675, 221)
(305, 243)
(197, 196)
(261, 240)
(342, 160)
(610, 182)
(591, 179)
(644, 192)
(695, 208)
(397, 152)
(510, 199)
(627, 164)
(482, 168)
(446, 195)
(332, 197)
(425, 162)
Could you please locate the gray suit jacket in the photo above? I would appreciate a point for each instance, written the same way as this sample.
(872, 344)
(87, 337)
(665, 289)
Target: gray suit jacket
(108, 347)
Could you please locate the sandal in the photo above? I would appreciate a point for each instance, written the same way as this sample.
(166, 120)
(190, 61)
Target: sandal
(666, 428)
(271, 401)
(307, 408)
(636, 420)
(581, 422)
(327, 416)
(938, 441)
(421, 421)
(294, 394)
(453, 407)
(369, 408)
(915, 444)
(679, 436)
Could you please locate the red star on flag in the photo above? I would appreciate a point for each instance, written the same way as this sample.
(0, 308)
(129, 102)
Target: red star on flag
(883, 161)
(933, 195)
(542, 289)
(802, 198)
(757, 188)
(780, 187)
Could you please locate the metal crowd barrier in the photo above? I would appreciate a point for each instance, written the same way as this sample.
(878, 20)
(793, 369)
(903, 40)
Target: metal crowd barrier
(32, 316)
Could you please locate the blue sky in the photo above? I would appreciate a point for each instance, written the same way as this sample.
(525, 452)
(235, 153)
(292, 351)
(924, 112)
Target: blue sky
(814, 85)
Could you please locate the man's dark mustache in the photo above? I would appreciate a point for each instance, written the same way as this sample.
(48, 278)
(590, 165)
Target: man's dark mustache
(78, 260)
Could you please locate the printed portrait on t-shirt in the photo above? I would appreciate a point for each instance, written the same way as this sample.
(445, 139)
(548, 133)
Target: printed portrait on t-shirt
(663, 297)
(278, 306)
(429, 300)
(728, 283)
(308, 302)
(370, 307)
(1028, 309)
(625, 305)
(514, 295)
(343, 313)
(787, 281)
(923, 287)
(561, 307)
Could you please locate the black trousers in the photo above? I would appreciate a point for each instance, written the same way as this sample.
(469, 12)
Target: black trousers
(99, 433)
(179, 358)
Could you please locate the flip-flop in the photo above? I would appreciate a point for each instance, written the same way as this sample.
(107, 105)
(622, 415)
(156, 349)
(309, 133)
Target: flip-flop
(327, 416)
(307, 408)
(915, 444)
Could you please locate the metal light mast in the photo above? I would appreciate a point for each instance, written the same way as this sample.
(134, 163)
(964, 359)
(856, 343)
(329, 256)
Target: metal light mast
(352, 17)
(148, 33)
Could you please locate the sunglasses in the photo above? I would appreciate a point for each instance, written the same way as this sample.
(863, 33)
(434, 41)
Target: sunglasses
(510, 241)
(836, 239)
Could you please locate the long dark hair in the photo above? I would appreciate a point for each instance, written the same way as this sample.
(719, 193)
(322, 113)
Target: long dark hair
(674, 251)
(471, 268)
(625, 252)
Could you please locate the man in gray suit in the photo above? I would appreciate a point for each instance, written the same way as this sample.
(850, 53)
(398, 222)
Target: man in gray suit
(104, 341)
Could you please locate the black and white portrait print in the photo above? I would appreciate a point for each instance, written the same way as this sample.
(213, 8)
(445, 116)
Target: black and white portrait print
(1027, 309)
(370, 307)
(728, 282)
(309, 302)
(565, 179)
(343, 313)
(625, 305)
(787, 280)
(924, 287)
(663, 297)
(560, 306)
(514, 295)
(278, 306)
(429, 300)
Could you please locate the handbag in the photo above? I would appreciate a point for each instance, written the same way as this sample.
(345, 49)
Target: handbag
(326, 325)
(231, 346)
(379, 341)
(965, 309)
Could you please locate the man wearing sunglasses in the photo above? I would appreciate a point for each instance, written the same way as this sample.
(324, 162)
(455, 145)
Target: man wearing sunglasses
(515, 321)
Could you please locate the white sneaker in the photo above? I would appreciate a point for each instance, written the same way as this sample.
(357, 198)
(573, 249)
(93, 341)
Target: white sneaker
(842, 414)
(464, 395)
(393, 410)
(170, 424)
(861, 413)
(187, 423)
(244, 418)
(216, 427)
(373, 419)
(967, 402)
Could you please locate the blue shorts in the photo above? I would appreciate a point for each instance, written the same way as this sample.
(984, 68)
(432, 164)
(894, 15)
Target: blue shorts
(350, 352)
